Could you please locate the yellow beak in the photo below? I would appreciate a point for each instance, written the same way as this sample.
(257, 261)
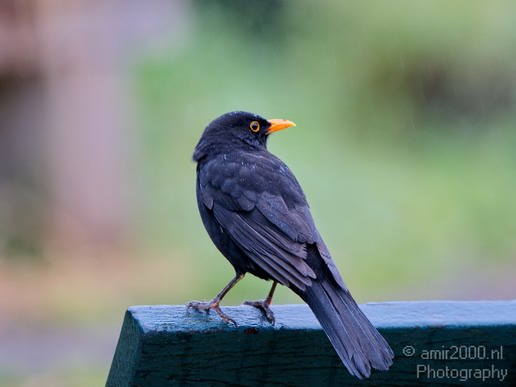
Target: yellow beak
(279, 124)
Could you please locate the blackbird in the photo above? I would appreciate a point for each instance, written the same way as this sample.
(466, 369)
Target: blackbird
(257, 215)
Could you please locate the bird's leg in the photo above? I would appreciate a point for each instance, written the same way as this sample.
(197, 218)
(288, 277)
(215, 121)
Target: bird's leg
(264, 305)
(215, 302)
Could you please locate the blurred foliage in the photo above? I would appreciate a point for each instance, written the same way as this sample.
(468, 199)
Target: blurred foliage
(404, 144)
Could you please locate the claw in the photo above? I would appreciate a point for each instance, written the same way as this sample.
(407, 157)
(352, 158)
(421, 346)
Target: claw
(207, 306)
(214, 304)
(263, 305)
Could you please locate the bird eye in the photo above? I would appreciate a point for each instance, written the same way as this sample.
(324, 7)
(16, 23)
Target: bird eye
(254, 126)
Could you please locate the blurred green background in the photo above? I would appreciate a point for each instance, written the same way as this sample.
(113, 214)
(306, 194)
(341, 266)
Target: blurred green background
(405, 146)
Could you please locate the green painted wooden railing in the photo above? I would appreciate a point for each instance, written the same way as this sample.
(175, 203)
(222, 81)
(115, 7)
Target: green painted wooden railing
(437, 342)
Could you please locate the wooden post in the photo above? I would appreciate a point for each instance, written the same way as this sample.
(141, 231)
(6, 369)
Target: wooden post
(441, 343)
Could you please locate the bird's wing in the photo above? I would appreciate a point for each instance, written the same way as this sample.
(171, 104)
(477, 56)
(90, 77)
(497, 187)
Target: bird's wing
(258, 201)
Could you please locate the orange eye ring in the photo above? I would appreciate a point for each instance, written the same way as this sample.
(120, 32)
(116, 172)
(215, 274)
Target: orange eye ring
(254, 126)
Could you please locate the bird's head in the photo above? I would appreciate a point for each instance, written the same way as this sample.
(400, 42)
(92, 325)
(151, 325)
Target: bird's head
(237, 130)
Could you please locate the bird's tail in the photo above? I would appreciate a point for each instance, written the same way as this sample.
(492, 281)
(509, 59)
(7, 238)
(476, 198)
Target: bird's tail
(357, 342)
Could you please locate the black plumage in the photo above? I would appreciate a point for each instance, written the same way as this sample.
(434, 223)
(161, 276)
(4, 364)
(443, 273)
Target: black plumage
(258, 217)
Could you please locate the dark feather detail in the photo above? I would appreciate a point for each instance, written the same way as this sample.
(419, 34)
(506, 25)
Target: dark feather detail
(357, 342)
(269, 253)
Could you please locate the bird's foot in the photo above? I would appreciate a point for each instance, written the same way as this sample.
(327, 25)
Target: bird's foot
(207, 306)
(264, 306)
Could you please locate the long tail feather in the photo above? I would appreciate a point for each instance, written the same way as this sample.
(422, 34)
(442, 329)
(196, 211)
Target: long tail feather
(357, 342)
